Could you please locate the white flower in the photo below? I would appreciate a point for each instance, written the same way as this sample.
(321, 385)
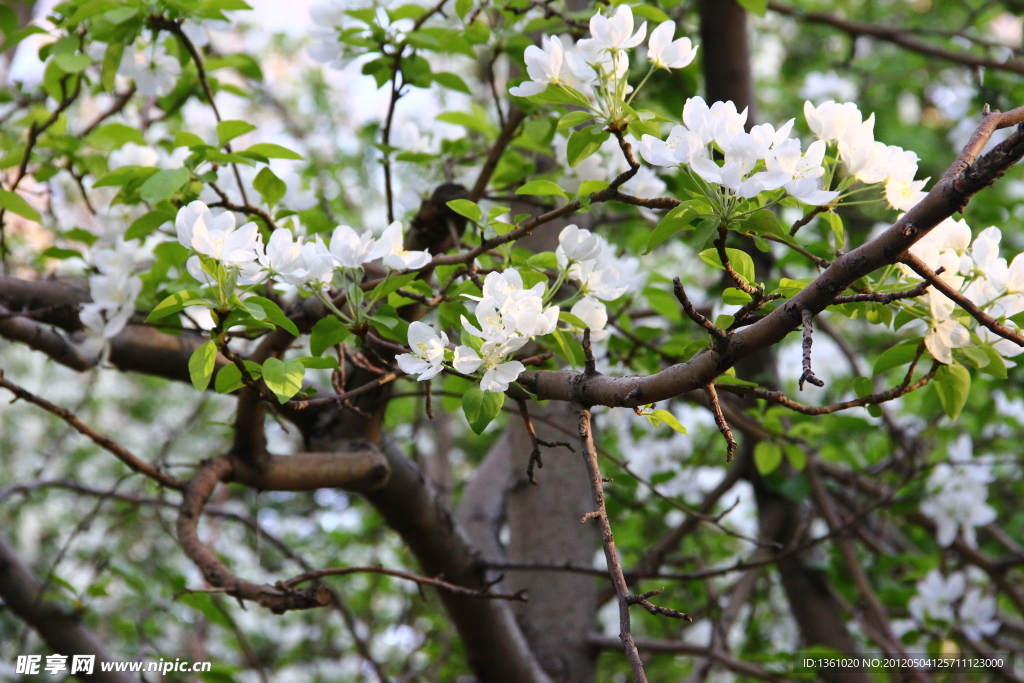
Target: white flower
(389, 247)
(154, 70)
(804, 171)
(613, 33)
(681, 147)
(719, 123)
(904, 195)
(594, 314)
(113, 303)
(956, 502)
(121, 259)
(427, 355)
(231, 247)
(865, 159)
(666, 53)
(828, 121)
(498, 372)
(945, 333)
(349, 249)
(977, 614)
(575, 245)
(545, 65)
(318, 266)
(283, 255)
(935, 597)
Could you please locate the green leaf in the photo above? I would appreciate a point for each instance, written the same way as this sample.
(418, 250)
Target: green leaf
(114, 135)
(739, 260)
(561, 95)
(186, 139)
(229, 130)
(229, 377)
(469, 121)
(767, 457)
(451, 81)
(573, 119)
(481, 407)
(541, 188)
(72, 63)
(996, 365)
(583, 143)
(953, 383)
(162, 184)
(546, 260)
(679, 218)
(895, 356)
(201, 364)
(735, 297)
(327, 363)
(659, 416)
(796, 456)
(464, 207)
(283, 378)
(836, 223)
(61, 253)
(327, 333)
(270, 187)
(175, 302)
(765, 222)
(589, 187)
(142, 226)
(462, 7)
(272, 151)
(14, 203)
(758, 7)
(274, 314)
(705, 229)
(862, 386)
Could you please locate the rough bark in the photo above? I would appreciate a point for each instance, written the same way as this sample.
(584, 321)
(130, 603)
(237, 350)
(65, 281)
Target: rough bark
(545, 527)
(59, 628)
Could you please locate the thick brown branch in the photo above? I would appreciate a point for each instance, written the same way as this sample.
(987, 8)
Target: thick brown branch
(276, 598)
(60, 628)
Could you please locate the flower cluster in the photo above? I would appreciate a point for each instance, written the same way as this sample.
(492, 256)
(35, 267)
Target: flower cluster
(590, 261)
(957, 495)
(309, 264)
(976, 270)
(936, 604)
(596, 67)
(154, 70)
(114, 290)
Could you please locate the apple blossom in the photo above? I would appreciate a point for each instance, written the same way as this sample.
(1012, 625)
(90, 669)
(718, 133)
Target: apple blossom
(390, 249)
(427, 357)
(349, 249)
(154, 70)
(545, 65)
(616, 32)
(498, 372)
(665, 53)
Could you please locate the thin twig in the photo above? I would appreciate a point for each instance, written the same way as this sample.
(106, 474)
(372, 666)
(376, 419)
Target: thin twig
(723, 426)
(720, 335)
(436, 582)
(133, 462)
(808, 375)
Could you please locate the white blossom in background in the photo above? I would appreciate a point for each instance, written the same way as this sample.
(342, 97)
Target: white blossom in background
(936, 596)
(427, 357)
(957, 494)
(820, 86)
(545, 66)
(615, 33)
(945, 333)
(977, 615)
(154, 70)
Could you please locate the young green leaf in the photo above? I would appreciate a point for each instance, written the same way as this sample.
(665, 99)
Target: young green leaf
(481, 407)
(14, 203)
(274, 314)
(541, 188)
(229, 130)
(739, 260)
(201, 364)
(270, 187)
(953, 384)
(464, 207)
(659, 416)
(767, 456)
(229, 377)
(175, 302)
(283, 378)
(327, 332)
